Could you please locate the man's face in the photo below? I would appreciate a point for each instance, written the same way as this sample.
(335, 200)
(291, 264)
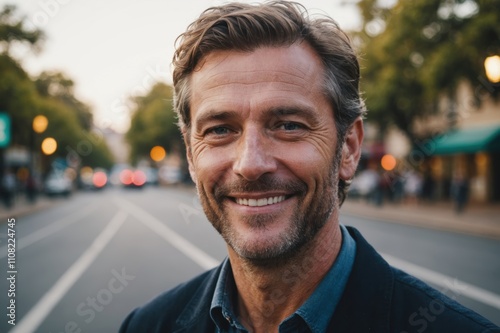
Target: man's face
(262, 148)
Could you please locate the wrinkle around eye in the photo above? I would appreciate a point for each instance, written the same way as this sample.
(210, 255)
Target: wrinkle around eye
(217, 135)
(290, 126)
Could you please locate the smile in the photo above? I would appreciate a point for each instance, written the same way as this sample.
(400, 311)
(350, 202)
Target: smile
(260, 202)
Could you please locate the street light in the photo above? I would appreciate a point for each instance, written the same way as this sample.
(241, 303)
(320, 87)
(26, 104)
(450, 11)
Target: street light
(40, 124)
(492, 68)
(49, 146)
(158, 153)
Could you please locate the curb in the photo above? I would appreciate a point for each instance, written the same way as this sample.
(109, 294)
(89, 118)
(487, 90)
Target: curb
(462, 224)
(25, 209)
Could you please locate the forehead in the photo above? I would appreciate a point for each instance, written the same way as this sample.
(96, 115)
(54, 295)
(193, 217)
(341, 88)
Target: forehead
(231, 79)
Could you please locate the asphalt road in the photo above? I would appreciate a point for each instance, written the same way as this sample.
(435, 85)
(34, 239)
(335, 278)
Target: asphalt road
(83, 265)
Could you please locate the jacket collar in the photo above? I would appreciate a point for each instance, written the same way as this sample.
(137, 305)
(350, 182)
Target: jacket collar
(196, 315)
(371, 280)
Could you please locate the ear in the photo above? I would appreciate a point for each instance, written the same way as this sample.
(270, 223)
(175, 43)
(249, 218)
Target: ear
(189, 155)
(351, 150)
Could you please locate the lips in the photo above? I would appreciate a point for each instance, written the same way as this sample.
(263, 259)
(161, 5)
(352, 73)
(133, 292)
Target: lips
(260, 202)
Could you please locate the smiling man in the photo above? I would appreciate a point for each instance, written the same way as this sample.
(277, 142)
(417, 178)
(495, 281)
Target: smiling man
(269, 107)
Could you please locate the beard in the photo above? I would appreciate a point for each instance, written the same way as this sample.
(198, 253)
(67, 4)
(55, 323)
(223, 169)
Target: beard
(306, 220)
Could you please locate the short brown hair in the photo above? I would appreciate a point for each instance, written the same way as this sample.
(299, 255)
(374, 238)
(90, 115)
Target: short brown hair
(245, 27)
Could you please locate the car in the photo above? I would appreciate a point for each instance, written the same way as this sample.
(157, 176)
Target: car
(133, 178)
(58, 184)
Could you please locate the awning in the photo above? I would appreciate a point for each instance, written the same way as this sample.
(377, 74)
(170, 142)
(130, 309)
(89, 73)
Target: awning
(468, 141)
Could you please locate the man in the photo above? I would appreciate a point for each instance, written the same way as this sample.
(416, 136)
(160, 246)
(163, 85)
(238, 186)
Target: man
(269, 107)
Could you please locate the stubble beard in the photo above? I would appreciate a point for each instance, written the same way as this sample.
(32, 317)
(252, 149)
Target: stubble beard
(304, 225)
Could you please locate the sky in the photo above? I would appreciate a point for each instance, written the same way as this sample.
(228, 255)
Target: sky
(113, 49)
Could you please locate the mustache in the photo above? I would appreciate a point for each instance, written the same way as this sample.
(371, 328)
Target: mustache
(265, 183)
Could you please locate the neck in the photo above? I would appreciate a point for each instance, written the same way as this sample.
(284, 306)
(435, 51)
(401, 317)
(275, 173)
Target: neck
(268, 294)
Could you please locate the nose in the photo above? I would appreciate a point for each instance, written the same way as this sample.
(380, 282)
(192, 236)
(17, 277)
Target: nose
(254, 156)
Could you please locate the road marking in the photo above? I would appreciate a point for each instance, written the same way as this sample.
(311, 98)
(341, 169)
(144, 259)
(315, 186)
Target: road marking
(207, 262)
(49, 229)
(179, 242)
(446, 282)
(30, 322)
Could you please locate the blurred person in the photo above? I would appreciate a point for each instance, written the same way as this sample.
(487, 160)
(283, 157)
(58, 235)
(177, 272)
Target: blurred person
(9, 186)
(269, 108)
(459, 191)
(31, 188)
(412, 186)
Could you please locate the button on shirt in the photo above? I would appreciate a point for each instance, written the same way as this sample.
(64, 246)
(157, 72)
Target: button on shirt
(312, 317)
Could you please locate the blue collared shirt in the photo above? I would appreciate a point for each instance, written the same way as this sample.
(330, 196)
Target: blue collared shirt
(312, 317)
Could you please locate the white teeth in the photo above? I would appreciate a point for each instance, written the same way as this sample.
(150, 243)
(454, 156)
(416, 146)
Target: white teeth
(260, 202)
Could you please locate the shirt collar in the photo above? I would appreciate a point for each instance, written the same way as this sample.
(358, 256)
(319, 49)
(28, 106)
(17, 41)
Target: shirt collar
(333, 285)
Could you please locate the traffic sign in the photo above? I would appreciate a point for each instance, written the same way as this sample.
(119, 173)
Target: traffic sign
(4, 129)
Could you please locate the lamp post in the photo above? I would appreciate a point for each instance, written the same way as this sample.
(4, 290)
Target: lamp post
(39, 125)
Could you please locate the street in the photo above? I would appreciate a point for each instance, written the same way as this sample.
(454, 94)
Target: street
(83, 265)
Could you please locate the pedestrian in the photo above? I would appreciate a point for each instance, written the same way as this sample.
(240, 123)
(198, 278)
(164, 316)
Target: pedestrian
(31, 188)
(412, 186)
(459, 191)
(270, 111)
(9, 188)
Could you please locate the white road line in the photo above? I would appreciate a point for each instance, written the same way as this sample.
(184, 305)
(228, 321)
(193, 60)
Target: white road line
(207, 262)
(446, 282)
(188, 249)
(30, 322)
(49, 229)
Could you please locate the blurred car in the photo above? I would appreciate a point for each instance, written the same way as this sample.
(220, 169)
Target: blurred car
(99, 179)
(57, 184)
(170, 175)
(133, 178)
(151, 175)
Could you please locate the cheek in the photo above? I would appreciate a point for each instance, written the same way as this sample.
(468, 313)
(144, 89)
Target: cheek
(309, 160)
(210, 166)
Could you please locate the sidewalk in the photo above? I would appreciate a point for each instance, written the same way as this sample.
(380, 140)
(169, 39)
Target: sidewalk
(480, 220)
(22, 207)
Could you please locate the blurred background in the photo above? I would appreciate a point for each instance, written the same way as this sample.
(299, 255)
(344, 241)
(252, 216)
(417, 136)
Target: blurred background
(88, 141)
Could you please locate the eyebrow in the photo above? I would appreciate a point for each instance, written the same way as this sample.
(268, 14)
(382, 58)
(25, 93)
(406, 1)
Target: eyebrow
(277, 112)
(212, 115)
(298, 111)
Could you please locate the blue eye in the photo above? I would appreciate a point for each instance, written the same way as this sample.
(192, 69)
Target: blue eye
(218, 130)
(290, 126)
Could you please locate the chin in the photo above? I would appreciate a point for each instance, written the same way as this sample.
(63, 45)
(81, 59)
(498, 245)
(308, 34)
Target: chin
(271, 251)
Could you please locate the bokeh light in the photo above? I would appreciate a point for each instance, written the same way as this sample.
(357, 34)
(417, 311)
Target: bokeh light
(158, 153)
(40, 124)
(388, 162)
(99, 179)
(492, 67)
(49, 146)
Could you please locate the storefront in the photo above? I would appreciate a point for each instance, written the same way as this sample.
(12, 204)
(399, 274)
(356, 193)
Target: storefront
(473, 153)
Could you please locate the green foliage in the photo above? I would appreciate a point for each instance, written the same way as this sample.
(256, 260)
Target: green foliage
(418, 50)
(58, 85)
(13, 30)
(18, 98)
(51, 94)
(153, 123)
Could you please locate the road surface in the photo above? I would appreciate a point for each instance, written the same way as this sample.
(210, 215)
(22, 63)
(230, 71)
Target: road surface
(82, 265)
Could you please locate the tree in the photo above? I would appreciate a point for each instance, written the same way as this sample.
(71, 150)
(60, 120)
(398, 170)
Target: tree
(417, 51)
(59, 86)
(153, 123)
(51, 94)
(13, 30)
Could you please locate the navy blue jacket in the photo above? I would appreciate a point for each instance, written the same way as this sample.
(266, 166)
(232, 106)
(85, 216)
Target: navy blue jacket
(378, 298)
